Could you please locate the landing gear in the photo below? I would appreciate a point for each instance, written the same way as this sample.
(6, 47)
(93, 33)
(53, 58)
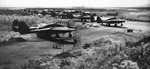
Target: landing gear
(115, 25)
(108, 25)
(57, 35)
(70, 35)
(121, 24)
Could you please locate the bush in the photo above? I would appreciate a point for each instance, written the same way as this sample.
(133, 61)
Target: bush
(6, 37)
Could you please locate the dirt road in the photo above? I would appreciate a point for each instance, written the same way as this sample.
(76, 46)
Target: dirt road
(18, 53)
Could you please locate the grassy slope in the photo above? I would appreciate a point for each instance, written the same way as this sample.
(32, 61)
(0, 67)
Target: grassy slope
(138, 15)
(100, 54)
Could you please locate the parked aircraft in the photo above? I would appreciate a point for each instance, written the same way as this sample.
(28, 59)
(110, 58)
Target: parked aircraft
(109, 21)
(47, 31)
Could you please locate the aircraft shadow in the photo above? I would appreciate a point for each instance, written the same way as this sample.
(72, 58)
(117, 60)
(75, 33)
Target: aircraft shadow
(59, 40)
(114, 26)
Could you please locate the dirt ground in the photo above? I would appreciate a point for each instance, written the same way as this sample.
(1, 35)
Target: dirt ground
(17, 53)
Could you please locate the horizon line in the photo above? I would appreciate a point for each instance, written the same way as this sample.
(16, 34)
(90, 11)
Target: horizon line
(80, 7)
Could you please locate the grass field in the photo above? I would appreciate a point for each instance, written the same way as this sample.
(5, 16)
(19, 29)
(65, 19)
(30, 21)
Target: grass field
(143, 16)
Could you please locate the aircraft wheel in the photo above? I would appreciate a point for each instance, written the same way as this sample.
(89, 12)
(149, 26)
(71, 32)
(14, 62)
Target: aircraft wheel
(57, 35)
(70, 35)
(108, 25)
(121, 24)
(115, 25)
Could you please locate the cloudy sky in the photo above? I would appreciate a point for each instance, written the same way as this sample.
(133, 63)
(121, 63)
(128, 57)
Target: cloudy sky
(74, 3)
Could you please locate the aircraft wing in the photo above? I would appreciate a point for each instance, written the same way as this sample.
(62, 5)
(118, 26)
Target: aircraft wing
(114, 21)
(62, 29)
(41, 29)
(55, 29)
(44, 26)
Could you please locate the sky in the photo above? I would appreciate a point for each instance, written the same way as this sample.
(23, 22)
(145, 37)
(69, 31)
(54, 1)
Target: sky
(74, 3)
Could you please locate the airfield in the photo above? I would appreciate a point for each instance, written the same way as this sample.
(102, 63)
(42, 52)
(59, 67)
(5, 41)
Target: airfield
(15, 54)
